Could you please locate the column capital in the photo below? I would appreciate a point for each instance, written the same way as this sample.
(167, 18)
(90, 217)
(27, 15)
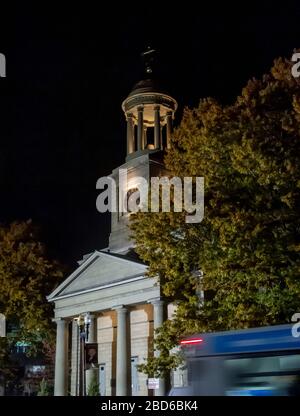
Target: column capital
(157, 301)
(129, 117)
(59, 320)
(140, 108)
(120, 309)
(157, 107)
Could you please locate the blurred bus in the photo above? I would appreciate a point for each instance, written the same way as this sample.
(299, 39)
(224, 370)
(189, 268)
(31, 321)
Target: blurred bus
(251, 362)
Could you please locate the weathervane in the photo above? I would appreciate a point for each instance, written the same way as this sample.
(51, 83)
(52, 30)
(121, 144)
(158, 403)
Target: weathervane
(149, 59)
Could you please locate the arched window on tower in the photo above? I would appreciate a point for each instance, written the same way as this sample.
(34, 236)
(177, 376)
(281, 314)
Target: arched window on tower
(133, 200)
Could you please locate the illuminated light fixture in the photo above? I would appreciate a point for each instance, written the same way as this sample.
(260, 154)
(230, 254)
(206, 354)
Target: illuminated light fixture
(87, 318)
(191, 341)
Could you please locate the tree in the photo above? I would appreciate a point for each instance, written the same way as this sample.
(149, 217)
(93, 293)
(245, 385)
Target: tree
(27, 276)
(44, 389)
(248, 245)
(93, 388)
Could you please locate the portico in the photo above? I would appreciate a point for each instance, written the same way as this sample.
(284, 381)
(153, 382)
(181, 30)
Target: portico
(125, 306)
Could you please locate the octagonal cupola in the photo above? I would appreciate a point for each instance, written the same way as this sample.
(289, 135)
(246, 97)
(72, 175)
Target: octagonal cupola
(149, 112)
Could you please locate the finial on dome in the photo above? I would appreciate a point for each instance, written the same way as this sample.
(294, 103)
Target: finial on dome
(149, 59)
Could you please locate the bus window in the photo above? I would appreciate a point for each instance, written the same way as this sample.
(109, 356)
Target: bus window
(263, 376)
(179, 377)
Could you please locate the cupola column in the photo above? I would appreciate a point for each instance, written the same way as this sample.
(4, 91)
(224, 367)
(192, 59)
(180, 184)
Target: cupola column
(169, 128)
(130, 133)
(140, 127)
(156, 127)
(145, 138)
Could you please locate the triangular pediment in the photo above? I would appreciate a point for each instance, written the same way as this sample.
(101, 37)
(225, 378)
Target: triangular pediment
(100, 269)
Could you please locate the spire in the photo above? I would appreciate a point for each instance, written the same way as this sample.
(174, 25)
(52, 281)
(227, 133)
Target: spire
(148, 58)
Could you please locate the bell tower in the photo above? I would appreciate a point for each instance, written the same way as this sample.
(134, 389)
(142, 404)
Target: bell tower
(149, 111)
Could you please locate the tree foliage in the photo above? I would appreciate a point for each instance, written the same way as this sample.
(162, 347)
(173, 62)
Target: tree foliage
(248, 245)
(93, 388)
(27, 276)
(44, 389)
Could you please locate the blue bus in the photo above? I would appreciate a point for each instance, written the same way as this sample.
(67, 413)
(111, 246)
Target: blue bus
(250, 362)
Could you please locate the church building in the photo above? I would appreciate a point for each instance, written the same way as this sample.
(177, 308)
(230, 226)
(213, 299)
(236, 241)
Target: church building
(121, 306)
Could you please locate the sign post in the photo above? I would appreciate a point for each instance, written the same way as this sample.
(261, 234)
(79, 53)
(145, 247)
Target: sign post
(153, 383)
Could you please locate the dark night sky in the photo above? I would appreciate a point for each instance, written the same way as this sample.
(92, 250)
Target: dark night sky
(61, 123)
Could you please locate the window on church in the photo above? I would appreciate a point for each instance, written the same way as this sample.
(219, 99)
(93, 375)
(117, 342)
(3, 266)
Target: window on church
(132, 197)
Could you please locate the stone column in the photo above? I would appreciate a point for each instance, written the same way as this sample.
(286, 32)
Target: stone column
(169, 128)
(122, 353)
(158, 318)
(92, 374)
(156, 127)
(145, 138)
(75, 359)
(130, 134)
(140, 127)
(61, 358)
